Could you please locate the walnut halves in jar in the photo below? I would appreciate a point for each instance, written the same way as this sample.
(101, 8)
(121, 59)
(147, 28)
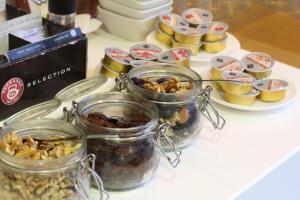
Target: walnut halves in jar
(31, 169)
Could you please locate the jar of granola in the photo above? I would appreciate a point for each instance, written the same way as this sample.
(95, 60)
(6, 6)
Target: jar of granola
(123, 133)
(179, 96)
(34, 168)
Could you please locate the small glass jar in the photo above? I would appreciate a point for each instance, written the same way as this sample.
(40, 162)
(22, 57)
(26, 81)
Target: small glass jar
(64, 178)
(182, 110)
(126, 157)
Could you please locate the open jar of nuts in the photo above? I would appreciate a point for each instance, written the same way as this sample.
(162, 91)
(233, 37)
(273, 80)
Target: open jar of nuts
(32, 167)
(179, 96)
(123, 133)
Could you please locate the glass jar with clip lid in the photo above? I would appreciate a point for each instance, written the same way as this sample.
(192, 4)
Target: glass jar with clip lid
(179, 96)
(124, 134)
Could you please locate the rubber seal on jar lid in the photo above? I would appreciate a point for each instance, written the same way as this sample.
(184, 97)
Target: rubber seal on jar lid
(227, 63)
(196, 16)
(35, 112)
(271, 85)
(258, 62)
(80, 88)
(175, 55)
(144, 51)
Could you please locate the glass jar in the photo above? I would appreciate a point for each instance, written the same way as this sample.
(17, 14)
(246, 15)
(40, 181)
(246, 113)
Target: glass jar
(64, 178)
(53, 109)
(126, 157)
(182, 110)
(49, 109)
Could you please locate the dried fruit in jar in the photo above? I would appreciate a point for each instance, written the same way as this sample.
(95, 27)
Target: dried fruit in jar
(104, 121)
(123, 164)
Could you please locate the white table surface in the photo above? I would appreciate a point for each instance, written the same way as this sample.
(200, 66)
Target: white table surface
(221, 164)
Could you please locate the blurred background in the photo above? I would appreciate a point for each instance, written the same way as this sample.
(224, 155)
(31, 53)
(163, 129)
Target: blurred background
(271, 26)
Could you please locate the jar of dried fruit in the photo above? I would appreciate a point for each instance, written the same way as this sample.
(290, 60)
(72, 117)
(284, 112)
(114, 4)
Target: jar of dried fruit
(123, 133)
(34, 169)
(179, 96)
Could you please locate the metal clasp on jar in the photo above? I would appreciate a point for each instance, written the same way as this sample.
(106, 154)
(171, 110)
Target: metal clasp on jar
(206, 107)
(162, 129)
(87, 164)
(121, 82)
(68, 115)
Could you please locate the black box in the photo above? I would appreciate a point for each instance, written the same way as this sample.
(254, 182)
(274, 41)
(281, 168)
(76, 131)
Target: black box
(32, 79)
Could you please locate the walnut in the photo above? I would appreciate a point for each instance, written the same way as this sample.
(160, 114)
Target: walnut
(26, 186)
(170, 85)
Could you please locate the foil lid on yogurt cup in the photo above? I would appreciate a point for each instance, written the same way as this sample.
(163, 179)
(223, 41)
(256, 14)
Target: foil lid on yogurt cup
(214, 27)
(118, 55)
(196, 16)
(258, 62)
(175, 55)
(172, 20)
(227, 63)
(141, 63)
(241, 77)
(144, 51)
(188, 31)
(271, 85)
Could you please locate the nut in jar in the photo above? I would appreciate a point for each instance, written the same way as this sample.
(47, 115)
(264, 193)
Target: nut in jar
(179, 96)
(34, 168)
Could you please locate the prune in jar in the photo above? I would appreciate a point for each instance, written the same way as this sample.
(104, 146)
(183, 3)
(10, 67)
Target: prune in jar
(188, 116)
(124, 164)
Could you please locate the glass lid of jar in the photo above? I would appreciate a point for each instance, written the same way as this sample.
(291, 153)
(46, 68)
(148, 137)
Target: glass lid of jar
(80, 88)
(160, 73)
(34, 112)
(116, 115)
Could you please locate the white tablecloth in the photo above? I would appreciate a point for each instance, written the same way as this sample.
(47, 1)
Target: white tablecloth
(221, 164)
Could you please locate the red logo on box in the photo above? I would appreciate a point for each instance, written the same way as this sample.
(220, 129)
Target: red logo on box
(12, 91)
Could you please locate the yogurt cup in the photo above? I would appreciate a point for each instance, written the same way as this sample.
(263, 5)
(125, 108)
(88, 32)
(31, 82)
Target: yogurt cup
(244, 86)
(258, 64)
(272, 90)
